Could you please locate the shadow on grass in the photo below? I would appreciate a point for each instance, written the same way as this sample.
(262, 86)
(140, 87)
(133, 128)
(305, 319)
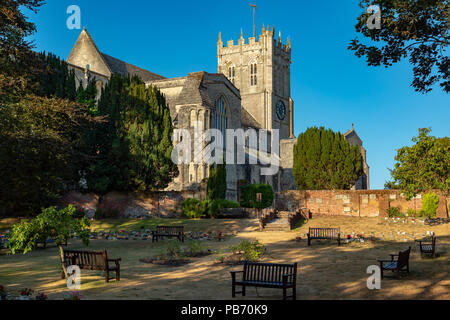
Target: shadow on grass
(325, 270)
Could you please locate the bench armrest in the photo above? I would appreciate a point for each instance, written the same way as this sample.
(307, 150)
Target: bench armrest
(393, 256)
(115, 260)
(287, 275)
(233, 275)
(234, 272)
(381, 261)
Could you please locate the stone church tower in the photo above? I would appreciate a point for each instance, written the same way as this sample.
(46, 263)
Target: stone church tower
(261, 70)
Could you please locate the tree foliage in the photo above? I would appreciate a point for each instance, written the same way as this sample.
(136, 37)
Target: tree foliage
(324, 160)
(216, 188)
(55, 78)
(14, 29)
(51, 223)
(135, 144)
(417, 30)
(424, 166)
(42, 146)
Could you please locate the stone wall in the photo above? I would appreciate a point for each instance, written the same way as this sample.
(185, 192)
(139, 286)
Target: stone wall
(357, 203)
(163, 204)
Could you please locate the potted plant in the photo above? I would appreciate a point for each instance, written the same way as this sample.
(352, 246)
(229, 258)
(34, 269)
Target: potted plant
(73, 295)
(41, 296)
(25, 294)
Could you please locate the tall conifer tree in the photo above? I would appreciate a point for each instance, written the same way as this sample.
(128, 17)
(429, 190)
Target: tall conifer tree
(324, 160)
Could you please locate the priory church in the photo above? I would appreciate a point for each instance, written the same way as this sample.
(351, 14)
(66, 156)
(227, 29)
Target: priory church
(251, 90)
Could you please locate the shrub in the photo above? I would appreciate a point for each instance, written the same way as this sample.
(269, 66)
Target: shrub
(193, 208)
(249, 196)
(173, 249)
(412, 213)
(196, 209)
(214, 206)
(430, 204)
(194, 248)
(394, 212)
(54, 223)
(251, 250)
(224, 203)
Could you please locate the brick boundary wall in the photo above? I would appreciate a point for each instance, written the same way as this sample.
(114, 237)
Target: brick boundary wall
(355, 203)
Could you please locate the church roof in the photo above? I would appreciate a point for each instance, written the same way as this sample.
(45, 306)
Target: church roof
(193, 91)
(124, 68)
(102, 63)
(248, 120)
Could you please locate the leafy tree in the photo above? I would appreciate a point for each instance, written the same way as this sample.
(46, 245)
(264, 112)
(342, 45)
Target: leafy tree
(42, 147)
(15, 51)
(418, 30)
(17, 61)
(424, 166)
(45, 139)
(324, 160)
(53, 223)
(216, 188)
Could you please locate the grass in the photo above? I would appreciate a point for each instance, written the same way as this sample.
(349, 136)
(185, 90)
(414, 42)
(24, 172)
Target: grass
(325, 271)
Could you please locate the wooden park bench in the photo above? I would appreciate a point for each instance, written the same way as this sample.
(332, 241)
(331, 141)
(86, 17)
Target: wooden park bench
(399, 265)
(168, 231)
(91, 260)
(324, 234)
(266, 275)
(427, 247)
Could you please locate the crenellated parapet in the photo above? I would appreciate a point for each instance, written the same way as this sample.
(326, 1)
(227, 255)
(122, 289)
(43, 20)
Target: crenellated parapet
(266, 40)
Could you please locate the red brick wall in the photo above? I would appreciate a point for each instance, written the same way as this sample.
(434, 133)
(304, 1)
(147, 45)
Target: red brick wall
(359, 203)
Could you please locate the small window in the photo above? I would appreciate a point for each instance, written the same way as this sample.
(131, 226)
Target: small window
(253, 74)
(231, 74)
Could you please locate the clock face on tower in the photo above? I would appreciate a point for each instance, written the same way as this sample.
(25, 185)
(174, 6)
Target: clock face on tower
(281, 110)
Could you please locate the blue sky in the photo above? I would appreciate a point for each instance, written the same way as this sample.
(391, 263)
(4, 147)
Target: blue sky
(330, 86)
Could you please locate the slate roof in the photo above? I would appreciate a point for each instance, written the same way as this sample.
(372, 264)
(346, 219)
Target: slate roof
(123, 68)
(193, 91)
(248, 120)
